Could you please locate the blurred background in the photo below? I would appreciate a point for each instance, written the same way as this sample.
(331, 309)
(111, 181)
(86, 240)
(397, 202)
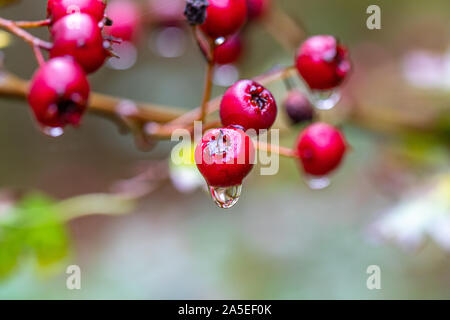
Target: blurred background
(388, 204)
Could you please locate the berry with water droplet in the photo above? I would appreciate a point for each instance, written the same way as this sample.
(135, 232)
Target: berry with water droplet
(59, 93)
(320, 148)
(56, 9)
(323, 62)
(78, 35)
(126, 20)
(225, 156)
(224, 17)
(249, 105)
(229, 51)
(256, 9)
(298, 108)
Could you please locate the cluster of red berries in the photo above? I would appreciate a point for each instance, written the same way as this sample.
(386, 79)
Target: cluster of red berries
(323, 64)
(59, 90)
(81, 43)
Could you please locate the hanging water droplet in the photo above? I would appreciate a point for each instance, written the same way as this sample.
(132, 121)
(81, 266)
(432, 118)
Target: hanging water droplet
(52, 131)
(317, 183)
(225, 197)
(325, 99)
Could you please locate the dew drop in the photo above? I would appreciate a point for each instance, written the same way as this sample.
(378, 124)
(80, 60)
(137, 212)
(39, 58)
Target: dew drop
(225, 197)
(53, 132)
(325, 99)
(317, 183)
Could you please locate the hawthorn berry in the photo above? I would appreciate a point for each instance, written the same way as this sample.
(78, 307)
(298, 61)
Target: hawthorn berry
(224, 17)
(229, 51)
(323, 62)
(78, 35)
(298, 108)
(320, 148)
(248, 105)
(59, 93)
(257, 8)
(56, 9)
(125, 16)
(225, 156)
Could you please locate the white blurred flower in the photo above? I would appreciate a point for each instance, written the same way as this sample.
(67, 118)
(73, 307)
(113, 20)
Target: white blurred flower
(426, 69)
(422, 213)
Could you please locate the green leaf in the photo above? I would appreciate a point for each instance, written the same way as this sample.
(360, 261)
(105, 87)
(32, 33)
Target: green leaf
(33, 228)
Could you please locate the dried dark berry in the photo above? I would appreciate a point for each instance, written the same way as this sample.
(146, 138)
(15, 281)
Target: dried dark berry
(195, 11)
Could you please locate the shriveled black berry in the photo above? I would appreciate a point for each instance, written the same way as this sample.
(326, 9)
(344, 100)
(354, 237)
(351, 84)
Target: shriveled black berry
(298, 107)
(195, 11)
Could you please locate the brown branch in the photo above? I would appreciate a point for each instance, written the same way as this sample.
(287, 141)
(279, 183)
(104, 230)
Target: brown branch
(27, 37)
(270, 148)
(15, 87)
(32, 24)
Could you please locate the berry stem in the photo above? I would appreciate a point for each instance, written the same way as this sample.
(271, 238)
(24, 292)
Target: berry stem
(282, 151)
(33, 41)
(32, 24)
(38, 54)
(207, 90)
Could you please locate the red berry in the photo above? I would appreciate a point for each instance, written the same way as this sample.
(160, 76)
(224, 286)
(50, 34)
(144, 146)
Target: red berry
(298, 107)
(225, 156)
(59, 92)
(56, 9)
(323, 62)
(249, 105)
(257, 8)
(321, 148)
(224, 17)
(125, 15)
(79, 36)
(229, 51)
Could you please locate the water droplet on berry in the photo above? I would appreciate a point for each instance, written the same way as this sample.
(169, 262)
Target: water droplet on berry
(219, 41)
(52, 131)
(325, 99)
(317, 183)
(225, 197)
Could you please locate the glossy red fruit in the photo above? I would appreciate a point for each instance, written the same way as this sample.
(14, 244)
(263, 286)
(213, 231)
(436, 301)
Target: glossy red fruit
(321, 148)
(59, 93)
(225, 156)
(224, 17)
(78, 35)
(249, 105)
(323, 62)
(56, 9)
(298, 108)
(229, 51)
(257, 8)
(126, 18)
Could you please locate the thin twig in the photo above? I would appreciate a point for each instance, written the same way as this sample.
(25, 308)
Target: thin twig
(32, 24)
(282, 151)
(27, 37)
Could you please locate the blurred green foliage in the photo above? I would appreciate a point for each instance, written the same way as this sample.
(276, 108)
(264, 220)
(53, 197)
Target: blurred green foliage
(31, 228)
